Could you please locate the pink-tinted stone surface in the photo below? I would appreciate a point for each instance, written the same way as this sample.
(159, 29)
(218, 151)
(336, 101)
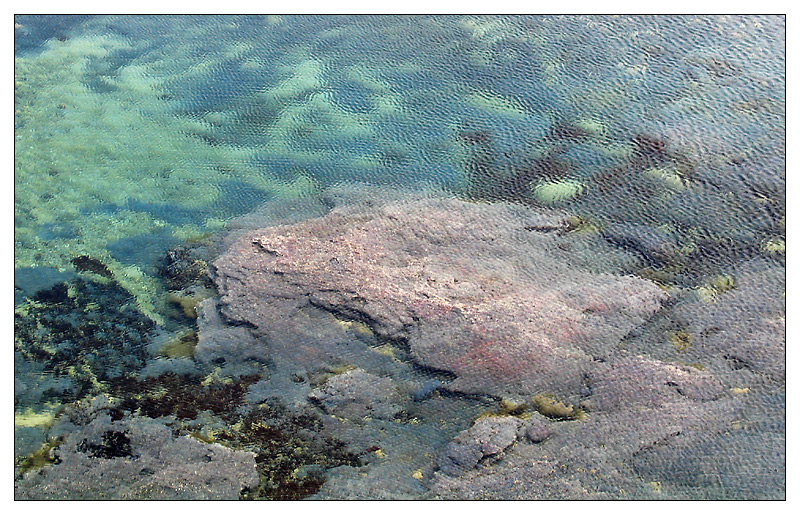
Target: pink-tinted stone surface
(477, 290)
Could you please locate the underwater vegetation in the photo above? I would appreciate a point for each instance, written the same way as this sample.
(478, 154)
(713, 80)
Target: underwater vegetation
(670, 252)
(86, 331)
(275, 111)
(290, 457)
(289, 257)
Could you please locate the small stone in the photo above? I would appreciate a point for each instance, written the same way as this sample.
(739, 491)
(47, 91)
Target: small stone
(538, 430)
(357, 394)
(489, 436)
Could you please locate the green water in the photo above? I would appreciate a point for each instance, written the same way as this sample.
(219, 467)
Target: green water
(137, 135)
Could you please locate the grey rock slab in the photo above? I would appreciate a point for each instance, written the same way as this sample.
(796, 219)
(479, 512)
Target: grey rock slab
(136, 458)
(470, 288)
(357, 394)
(640, 382)
(489, 436)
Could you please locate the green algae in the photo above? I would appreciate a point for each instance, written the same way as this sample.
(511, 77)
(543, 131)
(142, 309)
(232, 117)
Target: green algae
(492, 102)
(321, 377)
(42, 457)
(669, 176)
(580, 224)
(681, 340)
(552, 192)
(774, 246)
(30, 418)
(714, 287)
(592, 126)
(551, 407)
(722, 283)
(188, 301)
(81, 158)
(182, 346)
(514, 408)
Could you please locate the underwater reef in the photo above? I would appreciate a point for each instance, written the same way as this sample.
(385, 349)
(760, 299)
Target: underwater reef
(299, 257)
(104, 456)
(486, 295)
(409, 345)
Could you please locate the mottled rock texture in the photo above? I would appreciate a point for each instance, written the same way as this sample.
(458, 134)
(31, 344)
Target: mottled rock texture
(500, 302)
(357, 394)
(134, 458)
(489, 436)
(482, 291)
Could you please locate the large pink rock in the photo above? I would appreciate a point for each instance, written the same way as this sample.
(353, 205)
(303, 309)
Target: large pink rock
(485, 292)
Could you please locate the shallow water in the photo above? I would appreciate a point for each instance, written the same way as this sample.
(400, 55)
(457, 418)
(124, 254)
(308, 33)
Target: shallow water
(615, 183)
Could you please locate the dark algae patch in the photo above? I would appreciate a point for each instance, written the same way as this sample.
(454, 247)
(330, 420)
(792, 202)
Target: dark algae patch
(291, 455)
(419, 257)
(87, 331)
(114, 444)
(58, 294)
(89, 264)
(182, 396)
(182, 267)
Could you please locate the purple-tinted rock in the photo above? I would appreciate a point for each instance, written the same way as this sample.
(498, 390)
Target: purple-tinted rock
(135, 458)
(470, 287)
(487, 437)
(357, 394)
(537, 429)
(592, 458)
(632, 382)
(743, 328)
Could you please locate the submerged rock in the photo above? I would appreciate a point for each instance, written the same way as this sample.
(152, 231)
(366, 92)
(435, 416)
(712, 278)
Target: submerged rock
(499, 303)
(638, 382)
(489, 436)
(106, 456)
(357, 394)
(655, 246)
(465, 286)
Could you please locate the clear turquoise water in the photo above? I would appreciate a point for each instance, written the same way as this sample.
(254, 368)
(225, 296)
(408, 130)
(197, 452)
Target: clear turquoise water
(135, 135)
